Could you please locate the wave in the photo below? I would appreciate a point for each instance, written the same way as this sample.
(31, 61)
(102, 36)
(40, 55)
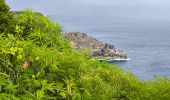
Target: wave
(127, 59)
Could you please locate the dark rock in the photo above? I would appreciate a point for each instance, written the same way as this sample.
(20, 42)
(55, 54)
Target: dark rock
(108, 46)
(100, 50)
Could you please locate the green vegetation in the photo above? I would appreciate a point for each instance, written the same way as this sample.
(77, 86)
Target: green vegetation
(7, 22)
(37, 63)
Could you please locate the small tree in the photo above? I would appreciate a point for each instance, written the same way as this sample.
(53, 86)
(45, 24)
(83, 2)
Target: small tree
(7, 24)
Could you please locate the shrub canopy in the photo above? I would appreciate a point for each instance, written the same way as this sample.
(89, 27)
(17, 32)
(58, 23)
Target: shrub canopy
(7, 23)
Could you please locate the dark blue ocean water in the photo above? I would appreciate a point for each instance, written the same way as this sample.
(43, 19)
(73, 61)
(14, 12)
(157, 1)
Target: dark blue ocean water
(147, 42)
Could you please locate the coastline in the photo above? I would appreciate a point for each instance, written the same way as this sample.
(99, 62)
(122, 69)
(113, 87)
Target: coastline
(100, 50)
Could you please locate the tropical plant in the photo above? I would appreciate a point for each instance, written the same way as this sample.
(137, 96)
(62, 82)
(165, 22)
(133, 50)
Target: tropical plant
(40, 30)
(7, 22)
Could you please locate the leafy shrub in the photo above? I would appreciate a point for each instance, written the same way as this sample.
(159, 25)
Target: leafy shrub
(7, 23)
(40, 30)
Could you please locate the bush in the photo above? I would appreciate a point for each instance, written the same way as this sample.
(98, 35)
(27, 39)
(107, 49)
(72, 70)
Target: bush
(40, 30)
(7, 23)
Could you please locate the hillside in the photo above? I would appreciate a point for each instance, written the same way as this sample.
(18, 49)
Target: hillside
(38, 63)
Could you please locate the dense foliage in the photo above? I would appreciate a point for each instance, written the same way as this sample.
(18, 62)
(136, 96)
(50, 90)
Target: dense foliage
(7, 22)
(37, 63)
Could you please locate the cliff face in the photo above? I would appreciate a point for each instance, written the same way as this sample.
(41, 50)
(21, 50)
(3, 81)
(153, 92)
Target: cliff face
(99, 49)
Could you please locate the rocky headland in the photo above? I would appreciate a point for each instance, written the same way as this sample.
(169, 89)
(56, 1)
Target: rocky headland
(100, 50)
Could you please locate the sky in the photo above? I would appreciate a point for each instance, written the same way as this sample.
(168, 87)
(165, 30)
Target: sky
(148, 9)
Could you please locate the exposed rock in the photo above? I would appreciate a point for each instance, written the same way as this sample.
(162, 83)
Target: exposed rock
(100, 50)
(81, 40)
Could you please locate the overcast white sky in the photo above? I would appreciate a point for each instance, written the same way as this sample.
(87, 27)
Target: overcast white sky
(133, 8)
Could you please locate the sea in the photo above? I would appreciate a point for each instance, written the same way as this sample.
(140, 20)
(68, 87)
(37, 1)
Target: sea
(147, 42)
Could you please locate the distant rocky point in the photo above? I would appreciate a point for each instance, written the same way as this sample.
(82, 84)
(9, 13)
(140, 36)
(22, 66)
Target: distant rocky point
(100, 50)
(20, 12)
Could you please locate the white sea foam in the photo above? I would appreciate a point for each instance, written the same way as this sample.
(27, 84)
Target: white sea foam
(127, 59)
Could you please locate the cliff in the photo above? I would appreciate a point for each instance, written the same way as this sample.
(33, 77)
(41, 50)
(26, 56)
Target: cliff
(100, 50)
